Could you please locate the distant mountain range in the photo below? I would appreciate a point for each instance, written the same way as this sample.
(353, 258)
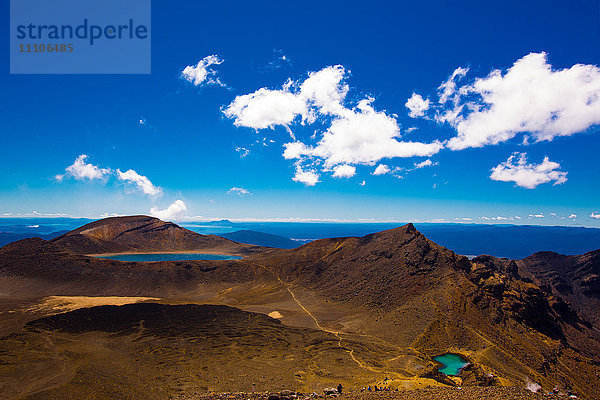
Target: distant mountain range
(8, 237)
(511, 241)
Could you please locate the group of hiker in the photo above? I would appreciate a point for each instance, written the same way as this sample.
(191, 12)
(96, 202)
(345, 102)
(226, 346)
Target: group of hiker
(376, 389)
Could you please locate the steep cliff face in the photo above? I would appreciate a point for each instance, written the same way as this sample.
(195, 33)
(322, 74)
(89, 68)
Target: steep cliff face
(574, 278)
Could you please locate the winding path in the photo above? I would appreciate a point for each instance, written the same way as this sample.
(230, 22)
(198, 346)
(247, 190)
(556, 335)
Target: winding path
(321, 328)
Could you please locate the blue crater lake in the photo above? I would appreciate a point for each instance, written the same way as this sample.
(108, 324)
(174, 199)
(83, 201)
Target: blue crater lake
(452, 363)
(169, 257)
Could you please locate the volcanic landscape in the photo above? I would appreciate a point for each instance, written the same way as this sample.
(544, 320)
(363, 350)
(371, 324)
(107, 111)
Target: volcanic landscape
(363, 312)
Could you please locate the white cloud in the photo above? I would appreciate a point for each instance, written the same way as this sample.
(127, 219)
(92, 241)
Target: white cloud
(423, 164)
(573, 216)
(309, 178)
(536, 215)
(381, 169)
(359, 135)
(363, 183)
(528, 175)
(266, 108)
(417, 105)
(202, 73)
(447, 89)
(365, 136)
(294, 150)
(326, 89)
(595, 215)
(322, 92)
(142, 182)
(173, 212)
(240, 191)
(109, 215)
(243, 151)
(344, 171)
(530, 97)
(81, 170)
(498, 218)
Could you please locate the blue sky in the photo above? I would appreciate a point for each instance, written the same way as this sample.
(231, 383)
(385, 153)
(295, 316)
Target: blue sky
(211, 146)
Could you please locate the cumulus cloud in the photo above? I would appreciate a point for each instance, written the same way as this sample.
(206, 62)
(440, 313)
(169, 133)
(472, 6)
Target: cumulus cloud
(540, 215)
(423, 164)
(365, 136)
(381, 169)
(202, 73)
(595, 215)
(309, 177)
(357, 135)
(266, 108)
(530, 98)
(516, 169)
(573, 216)
(344, 171)
(81, 170)
(173, 212)
(417, 105)
(142, 182)
(240, 191)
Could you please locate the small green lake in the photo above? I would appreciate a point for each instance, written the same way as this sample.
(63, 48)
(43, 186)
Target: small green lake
(452, 363)
(169, 257)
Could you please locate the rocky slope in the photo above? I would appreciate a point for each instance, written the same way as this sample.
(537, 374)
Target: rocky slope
(424, 296)
(574, 278)
(144, 234)
(388, 302)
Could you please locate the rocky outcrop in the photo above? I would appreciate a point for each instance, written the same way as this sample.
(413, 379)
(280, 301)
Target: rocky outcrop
(574, 278)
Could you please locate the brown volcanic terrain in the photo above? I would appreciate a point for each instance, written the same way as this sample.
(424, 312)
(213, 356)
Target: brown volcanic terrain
(383, 306)
(160, 350)
(575, 278)
(140, 233)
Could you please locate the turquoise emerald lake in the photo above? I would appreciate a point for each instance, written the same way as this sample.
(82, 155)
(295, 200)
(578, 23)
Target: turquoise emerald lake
(169, 257)
(452, 363)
